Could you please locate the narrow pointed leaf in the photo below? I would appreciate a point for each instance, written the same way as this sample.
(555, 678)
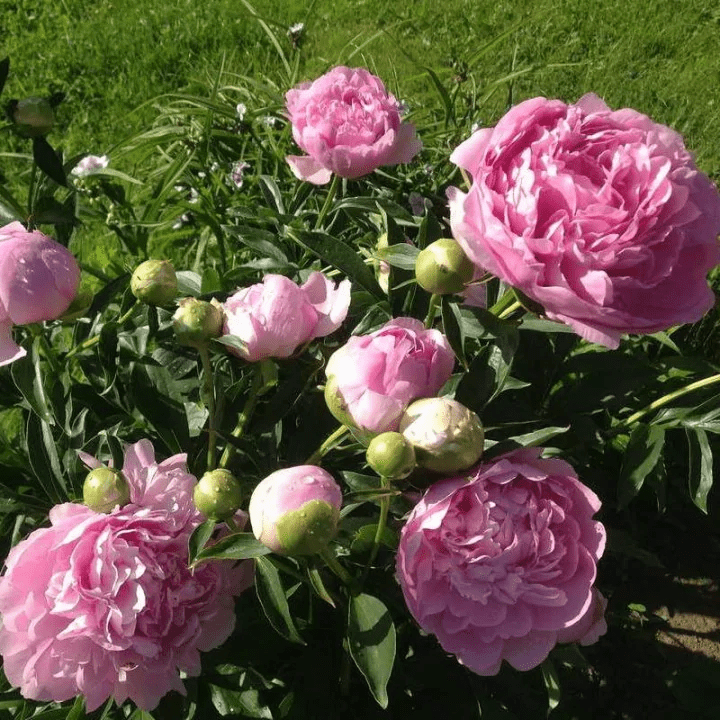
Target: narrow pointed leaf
(700, 477)
(271, 595)
(371, 640)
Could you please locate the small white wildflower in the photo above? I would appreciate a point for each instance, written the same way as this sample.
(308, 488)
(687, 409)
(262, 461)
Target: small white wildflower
(240, 110)
(184, 219)
(90, 165)
(474, 127)
(194, 195)
(296, 29)
(269, 121)
(236, 175)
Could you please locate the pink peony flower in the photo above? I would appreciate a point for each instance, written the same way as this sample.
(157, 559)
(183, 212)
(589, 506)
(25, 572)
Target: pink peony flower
(104, 604)
(373, 378)
(499, 563)
(90, 165)
(275, 317)
(602, 217)
(348, 124)
(38, 281)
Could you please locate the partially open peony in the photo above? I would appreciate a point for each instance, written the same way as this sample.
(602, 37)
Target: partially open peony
(39, 279)
(275, 317)
(600, 216)
(348, 124)
(104, 605)
(499, 562)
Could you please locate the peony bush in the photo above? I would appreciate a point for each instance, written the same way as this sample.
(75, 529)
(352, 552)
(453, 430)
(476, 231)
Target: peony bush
(450, 455)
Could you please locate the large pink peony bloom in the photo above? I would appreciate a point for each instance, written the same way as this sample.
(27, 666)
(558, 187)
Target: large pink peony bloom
(348, 124)
(373, 378)
(275, 317)
(602, 217)
(499, 563)
(104, 604)
(38, 281)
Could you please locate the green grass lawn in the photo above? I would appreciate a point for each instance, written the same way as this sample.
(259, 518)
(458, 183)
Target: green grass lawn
(109, 57)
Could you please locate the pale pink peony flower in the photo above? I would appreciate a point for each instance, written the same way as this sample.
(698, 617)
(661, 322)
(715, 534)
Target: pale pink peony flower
(38, 281)
(348, 124)
(600, 216)
(373, 378)
(499, 563)
(104, 605)
(275, 317)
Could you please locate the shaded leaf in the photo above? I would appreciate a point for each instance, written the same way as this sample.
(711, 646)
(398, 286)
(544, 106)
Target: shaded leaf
(642, 454)
(700, 476)
(198, 539)
(271, 595)
(48, 160)
(371, 640)
(453, 329)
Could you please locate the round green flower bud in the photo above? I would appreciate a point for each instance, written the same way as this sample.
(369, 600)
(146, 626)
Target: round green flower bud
(105, 488)
(391, 455)
(218, 494)
(446, 435)
(33, 117)
(154, 282)
(196, 322)
(442, 268)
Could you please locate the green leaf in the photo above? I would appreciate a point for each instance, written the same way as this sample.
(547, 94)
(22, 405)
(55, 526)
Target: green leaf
(274, 602)
(700, 477)
(371, 640)
(642, 454)
(453, 329)
(552, 684)
(271, 192)
(341, 256)
(27, 376)
(197, 541)
(239, 546)
(44, 460)
(401, 256)
(4, 70)
(319, 586)
(48, 161)
(77, 711)
(242, 703)
(141, 715)
(442, 92)
(539, 437)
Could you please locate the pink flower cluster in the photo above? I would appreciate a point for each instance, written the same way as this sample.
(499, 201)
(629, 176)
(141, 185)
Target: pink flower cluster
(600, 216)
(499, 563)
(38, 281)
(374, 377)
(348, 124)
(104, 605)
(275, 317)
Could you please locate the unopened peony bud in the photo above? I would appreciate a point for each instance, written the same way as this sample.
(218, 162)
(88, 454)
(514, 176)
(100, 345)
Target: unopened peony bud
(196, 322)
(446, 435)
(443, 268)
(391, 455)
(33, 117)
(154, 282)
(217, 494)
(104, 489)
(296, 511)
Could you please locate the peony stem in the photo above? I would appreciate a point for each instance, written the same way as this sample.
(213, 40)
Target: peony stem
(382, 522)
(509, 310)
(665, 399)
(330, 442)
(506, 301)
(430, 317)
(332, 191)
(207, 392)
(332, 562)
(95, 339)
(256, 389)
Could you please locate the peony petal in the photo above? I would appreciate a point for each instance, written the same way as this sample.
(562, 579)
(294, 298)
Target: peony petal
(308, 169)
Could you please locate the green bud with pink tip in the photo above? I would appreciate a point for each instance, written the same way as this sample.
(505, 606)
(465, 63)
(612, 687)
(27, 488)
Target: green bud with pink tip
(295, 511)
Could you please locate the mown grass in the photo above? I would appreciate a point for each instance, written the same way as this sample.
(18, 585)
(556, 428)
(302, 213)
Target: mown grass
(109, 57)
